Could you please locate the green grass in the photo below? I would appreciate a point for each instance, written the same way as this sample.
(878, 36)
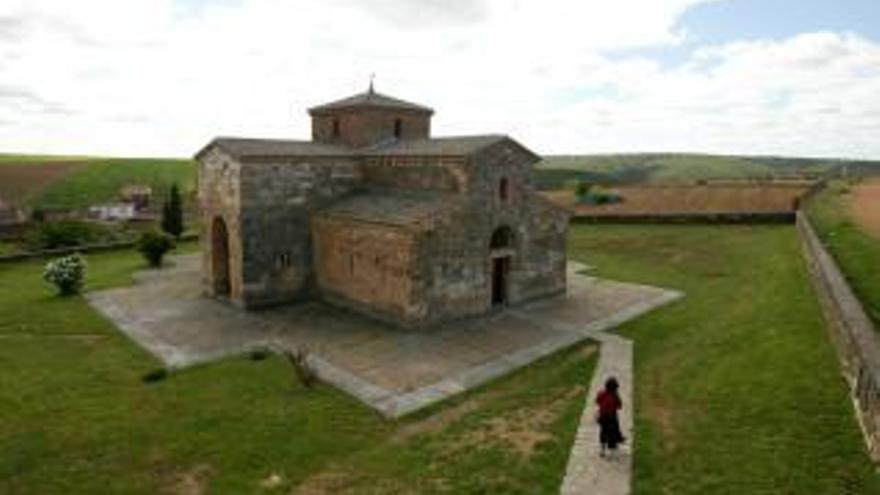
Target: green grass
(737, 391)
(737, 385)
(857, 253)
(75, 416)
(101, 180)
(7, 248)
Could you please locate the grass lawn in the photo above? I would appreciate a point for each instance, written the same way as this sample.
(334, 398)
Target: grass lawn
(75, 416)
(857, 253)
(737, 385)
(737, 391)
(7, 248)
(100, 180)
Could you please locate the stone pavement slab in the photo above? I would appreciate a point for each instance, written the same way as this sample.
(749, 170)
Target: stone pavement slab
(395, 371)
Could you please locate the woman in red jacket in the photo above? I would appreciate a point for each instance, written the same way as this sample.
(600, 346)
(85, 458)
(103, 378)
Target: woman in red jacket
(609, 403)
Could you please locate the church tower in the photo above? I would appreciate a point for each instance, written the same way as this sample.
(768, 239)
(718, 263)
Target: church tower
(369, 119)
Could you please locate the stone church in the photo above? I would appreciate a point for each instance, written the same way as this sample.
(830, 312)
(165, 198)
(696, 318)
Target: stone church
(375, 215)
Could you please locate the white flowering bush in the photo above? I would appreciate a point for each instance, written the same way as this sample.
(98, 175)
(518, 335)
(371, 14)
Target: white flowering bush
(67, 274)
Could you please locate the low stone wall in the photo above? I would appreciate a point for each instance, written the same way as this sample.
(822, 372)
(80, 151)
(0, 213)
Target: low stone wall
(853, 333)
(732, 217)
(90, 248)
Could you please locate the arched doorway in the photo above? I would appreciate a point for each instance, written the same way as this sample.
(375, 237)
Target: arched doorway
(500, 254)
(220, 257)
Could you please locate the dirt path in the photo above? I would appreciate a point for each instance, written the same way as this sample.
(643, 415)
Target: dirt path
(865, 206)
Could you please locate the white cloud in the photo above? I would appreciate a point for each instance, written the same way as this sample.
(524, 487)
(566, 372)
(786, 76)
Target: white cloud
(147, 77)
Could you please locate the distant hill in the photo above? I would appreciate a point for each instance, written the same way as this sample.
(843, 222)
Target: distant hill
(76, 182)
(80, 181)
(555, 171)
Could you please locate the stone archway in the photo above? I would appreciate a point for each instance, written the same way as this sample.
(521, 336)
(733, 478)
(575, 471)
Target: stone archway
(220, 258)
(501, 249)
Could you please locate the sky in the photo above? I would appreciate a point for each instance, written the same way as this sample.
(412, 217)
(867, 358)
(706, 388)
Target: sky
(163, 77)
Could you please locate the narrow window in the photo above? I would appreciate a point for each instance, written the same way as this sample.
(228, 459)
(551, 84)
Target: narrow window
(503, 190)
(335, 128)
(398, 128)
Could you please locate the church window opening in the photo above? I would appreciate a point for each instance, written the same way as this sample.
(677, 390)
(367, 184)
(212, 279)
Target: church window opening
(504, 189)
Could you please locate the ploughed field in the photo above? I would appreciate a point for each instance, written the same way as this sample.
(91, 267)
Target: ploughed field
(737, 391)
(79, 182)
(865, 206)
(22, 182)
(691, 199)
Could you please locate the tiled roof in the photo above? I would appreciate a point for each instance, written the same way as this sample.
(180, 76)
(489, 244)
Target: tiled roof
(444, 146)
(370, 99)
(269, 148)
(454, 146)
(398, 208)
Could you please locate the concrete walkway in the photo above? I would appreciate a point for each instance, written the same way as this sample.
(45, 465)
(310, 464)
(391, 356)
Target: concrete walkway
(588, 473)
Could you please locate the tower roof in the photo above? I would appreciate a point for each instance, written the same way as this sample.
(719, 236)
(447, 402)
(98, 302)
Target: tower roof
(370, 98)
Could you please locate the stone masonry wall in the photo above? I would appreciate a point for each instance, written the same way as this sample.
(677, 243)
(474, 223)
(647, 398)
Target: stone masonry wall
(542, 271)
(363, 126)
(454, 261)
(456, 258)
(853, 334)
(538, 264)
(219, 196)
(368, 267)
(279, 199)
(416, 173)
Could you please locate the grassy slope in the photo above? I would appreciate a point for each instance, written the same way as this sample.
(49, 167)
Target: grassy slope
(738, 389)
(76, 418)
(101, 180)
(857, 253)
(20, 159)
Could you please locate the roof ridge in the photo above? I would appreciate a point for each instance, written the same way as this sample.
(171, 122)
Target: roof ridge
(370, 98)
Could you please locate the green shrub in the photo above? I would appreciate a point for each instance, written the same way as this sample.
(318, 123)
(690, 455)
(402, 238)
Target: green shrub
(154, 245)
(259, 354)
(581, 190)
(156, 375)
(67, 274)
(62, 234)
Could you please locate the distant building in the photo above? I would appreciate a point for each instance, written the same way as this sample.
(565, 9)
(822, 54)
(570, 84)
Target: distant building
(113, 211)
(375, 215)
(137, 194)
(9, 214)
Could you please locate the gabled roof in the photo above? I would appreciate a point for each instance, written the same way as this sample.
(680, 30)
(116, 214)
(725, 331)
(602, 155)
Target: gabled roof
(393, 207)
(443, 146)
(370, 98)
(243, 148)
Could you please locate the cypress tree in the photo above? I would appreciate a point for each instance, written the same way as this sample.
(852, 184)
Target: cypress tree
(172, 213)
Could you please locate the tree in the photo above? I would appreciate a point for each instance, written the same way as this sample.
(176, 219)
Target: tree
(582, 190)
(172, 213)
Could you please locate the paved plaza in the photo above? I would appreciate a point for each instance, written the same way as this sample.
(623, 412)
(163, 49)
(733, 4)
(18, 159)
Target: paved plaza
(395, 371)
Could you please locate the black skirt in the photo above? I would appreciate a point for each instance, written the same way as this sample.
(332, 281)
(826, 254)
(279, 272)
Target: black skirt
(609, 431)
